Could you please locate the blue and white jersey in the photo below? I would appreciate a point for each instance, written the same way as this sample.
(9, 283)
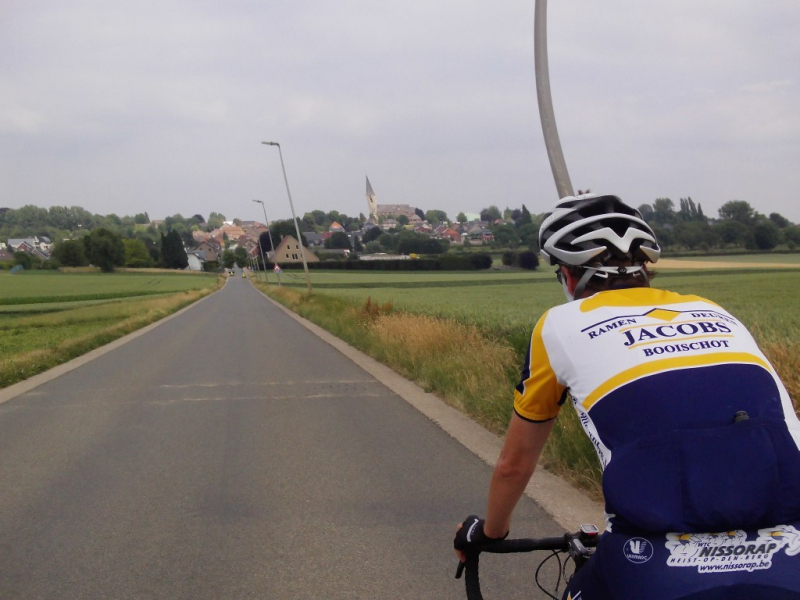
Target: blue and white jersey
(657, 379)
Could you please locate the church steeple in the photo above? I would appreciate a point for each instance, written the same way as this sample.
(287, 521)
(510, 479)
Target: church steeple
(372, 203)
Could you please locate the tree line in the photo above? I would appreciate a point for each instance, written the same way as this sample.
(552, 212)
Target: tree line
(135, 241)
(684, 227)
(107, 249)
(81, 237)
(739, 226)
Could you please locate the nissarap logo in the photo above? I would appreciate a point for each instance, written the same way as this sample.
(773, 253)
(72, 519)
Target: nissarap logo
(731, 550)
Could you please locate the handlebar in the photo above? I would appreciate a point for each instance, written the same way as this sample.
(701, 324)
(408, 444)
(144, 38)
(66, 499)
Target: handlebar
(579, 546)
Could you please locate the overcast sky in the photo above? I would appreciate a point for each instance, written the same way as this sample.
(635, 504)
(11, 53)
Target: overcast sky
(127, 106)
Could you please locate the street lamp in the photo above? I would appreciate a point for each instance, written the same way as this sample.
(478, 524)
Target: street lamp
(269, 233)
(294, 217)
(261, 248)
(551, 141)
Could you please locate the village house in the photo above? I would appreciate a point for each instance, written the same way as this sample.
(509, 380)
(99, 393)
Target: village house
(29, 246)
(448, 233)
(22, 245)
(209, 249)
(316, 239)
(254, 252)
(389, 224)
(288, 251)
(41, 243)
(480, 235)
(195, 260)
(254, 228)
(200, 236)
(233, 232)
(395, 210)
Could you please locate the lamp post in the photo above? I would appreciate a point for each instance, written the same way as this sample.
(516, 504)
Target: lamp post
(551, 141)
(260, 247)
(294, 217)
(269, 233)
(263, 261)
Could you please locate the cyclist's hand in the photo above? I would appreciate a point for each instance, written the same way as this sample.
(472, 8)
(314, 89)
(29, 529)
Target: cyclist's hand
(469, 535)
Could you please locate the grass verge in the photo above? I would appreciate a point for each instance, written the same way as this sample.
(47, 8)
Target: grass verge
(32, 344)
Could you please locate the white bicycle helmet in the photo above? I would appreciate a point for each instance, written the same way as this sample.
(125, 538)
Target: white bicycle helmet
(586, 231)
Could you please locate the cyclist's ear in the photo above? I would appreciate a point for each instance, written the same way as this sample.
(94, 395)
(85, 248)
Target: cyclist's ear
(571, 278)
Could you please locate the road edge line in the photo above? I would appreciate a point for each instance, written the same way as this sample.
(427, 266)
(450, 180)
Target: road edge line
(567, 505)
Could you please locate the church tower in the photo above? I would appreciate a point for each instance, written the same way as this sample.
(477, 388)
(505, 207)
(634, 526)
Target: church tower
(372, 203)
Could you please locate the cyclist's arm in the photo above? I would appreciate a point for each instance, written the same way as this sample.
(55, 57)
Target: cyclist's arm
(523, 445)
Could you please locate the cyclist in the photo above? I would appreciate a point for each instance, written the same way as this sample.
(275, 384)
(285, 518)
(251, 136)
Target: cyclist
(694, 430)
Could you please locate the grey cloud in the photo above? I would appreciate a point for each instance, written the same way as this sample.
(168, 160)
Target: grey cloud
(131, 106)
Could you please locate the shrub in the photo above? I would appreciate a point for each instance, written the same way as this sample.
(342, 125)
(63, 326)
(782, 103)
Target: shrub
(24, 259)
(528, 260)
(481, 260)
(70, 253)
(446, 262)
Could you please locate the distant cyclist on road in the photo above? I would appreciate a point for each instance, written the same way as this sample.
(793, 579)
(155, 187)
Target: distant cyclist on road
(696, 434)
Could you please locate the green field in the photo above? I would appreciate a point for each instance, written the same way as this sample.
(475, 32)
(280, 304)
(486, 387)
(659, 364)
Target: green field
(786, 259)
(507, 300)
(48, 318)
(508, 303)
(40, 287)
(327, 279)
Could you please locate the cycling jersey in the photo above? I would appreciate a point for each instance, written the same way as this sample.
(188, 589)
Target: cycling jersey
(731, 565)
(692, 426)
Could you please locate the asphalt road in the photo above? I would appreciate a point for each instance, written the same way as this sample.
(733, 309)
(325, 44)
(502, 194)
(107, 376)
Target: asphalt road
(229, 453)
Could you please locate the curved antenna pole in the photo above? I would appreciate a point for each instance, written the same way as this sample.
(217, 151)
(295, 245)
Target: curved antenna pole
(557, 163)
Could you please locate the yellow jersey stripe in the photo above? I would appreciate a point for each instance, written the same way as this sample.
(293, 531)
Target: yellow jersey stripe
(636, 297)
(667, 364)
(539, 401)
(683, 339)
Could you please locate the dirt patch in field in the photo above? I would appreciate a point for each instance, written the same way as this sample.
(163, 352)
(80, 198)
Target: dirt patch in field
(673, 263)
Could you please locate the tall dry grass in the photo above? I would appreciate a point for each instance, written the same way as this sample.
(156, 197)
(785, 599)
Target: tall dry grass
(454, 360)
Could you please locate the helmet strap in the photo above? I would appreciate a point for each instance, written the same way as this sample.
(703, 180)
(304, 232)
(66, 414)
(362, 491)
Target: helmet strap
(583, 281)
(604, 272)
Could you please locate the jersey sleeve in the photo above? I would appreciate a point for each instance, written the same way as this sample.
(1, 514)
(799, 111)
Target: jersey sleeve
(538, 395)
